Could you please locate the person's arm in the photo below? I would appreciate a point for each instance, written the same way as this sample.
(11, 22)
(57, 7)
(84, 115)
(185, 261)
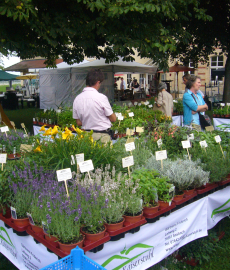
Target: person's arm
(159, 100)
(112, 117)
(202, 108)
(79, 123)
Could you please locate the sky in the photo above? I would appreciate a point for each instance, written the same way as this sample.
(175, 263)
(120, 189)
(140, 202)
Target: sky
(9, 61)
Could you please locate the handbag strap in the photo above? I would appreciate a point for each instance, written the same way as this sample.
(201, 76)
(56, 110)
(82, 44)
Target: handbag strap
(195, 101)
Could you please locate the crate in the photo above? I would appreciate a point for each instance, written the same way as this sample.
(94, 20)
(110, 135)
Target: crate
(75, 261)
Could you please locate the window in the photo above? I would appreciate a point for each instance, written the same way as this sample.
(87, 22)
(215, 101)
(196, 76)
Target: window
(190, 64)
(141, 79)
(217, 62)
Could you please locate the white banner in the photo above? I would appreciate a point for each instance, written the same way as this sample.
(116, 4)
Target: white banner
(23, 252)
(177, 120)
(156, 241)
(221, 124)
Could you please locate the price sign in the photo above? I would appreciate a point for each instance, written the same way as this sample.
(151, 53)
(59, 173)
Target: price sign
(203, 144)
(135, 103)
(159, 143)
(209, 128)
(191, 136)
(217, 138)
(120, 117)
(3, 158)
(222, 104)
(150, 106)
(78, 157)
(160, 155)
(86, 166)
(186, 144)
(4, 129)
(140, 129)
(127, 162)
(64, 174)
(130, 146)
(131, 114)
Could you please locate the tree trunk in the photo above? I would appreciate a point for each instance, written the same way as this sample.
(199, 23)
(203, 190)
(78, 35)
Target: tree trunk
(226, 94)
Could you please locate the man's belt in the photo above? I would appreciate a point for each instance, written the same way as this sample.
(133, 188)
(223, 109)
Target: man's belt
(99, 131)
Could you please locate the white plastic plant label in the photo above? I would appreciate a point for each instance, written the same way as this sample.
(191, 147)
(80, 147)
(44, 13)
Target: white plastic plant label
(190, 137)
(146, 102)
(4, 129)
(228, 104)
(159, 143)
(135, 103)
(86, 166)
(222, 104)
(116, 131)
(203, 144)
(186, 144)
(140, 129)
(130, 146)
(78, 158)
(131, 114)
(30, 219)
(58, 111)
(139, 104)
(3, 158)
(150, 106)
(118, 114)
(175, 101)
(217, 138)
(120, 117)
(13, 212)
(160, 155)
(63, 175)
(127, 162)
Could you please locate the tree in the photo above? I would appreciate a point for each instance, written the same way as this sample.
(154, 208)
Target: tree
(101, 28)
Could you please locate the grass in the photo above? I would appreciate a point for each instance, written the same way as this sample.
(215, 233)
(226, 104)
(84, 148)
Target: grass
(3, 87)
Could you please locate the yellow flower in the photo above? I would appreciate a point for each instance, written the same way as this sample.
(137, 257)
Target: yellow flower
(91, 139)
(66, 135)
(42, 128)
(38, 149)
(78, 130)
(47, 132)
(54, 130)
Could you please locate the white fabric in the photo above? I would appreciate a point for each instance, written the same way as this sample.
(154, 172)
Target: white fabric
(177, 120)
(221, 124)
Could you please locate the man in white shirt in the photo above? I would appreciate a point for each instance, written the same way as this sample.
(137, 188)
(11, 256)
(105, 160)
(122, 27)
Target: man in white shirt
(123, 84)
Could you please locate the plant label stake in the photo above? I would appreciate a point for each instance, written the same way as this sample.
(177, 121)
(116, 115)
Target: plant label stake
(160, 155)
(209, 128)
(129, 147)
(13, 125)
(3, 159)
(79, 158)
(203, 144)
(120, 118)
(23, 126)
(135, 103)
(186, 144)
(218, 140)
(129, 132)
(131, 114)
(5, 129)
(30, 218)
(64, 175)
(127, 162)
(139, 129)
(13, 212)
(150, 106)
(86, 166)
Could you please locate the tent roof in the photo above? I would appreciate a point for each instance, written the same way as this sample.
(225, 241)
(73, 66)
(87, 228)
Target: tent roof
(5, 76)
(118, 66)
(65, 65)
(30, 64)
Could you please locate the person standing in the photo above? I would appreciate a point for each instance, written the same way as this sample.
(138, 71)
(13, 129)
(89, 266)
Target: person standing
(193, 102)
(92, 110)
(135, 86)
(123, 84)
(164, 100)
(186, 78)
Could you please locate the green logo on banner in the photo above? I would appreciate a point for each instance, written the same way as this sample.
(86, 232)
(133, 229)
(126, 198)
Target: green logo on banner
(6, 238)
(124, 256)
(219, 210)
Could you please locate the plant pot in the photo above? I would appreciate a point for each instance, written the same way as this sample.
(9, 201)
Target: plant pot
(115, 226)
(21, 222)
(189, 192)
(133, 219)
(68, 247)
(93, 237)
(50, 238)
(178, 197)
(36, 229)
(151, 210)
(40, 123)
(163, 204)
(214, 115)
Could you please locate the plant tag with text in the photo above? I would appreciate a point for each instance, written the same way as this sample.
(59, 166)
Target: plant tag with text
(127, 162)
(13, 212)
(222, 104)
(203, 144)
(161, 155)
(58, 111)
(4, 129)
(86, 166)
(78, 157)
(217, 138)
(120, 117)
(186, 144)
(150, 106)
(159, 143)
(129, 132)
(131, 114)
(209, 128)
(146, 102)
(118, 114)
(228, 104)
(139, 104)
(63, 175)
(140, 129)
(44, 227)
(26, 147)
(30, 219)
(116, 131)
(190, 137)
(135, 103)
(130, 146)
(3, 158)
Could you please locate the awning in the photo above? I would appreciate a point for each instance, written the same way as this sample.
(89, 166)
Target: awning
(5, 76)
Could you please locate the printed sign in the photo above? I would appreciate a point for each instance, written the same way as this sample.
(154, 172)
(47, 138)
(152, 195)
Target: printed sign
(209, 128)
(186, 144)
(120, 117)
(131, 114)
(222, 104)
(4, 129)
(78, 157)
(64, 174)
(203, 144)
(217, 138)
(129, 132)
(3, 158)
(140, 129)
(86, 166)
(150, 106)
(130, 146)
(161, 155)
(127, 162)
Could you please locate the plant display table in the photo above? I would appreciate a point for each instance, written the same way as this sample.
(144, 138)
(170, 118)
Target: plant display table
(152, 243)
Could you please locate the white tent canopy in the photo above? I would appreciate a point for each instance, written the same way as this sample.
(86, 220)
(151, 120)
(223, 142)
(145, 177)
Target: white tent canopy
(59, 87)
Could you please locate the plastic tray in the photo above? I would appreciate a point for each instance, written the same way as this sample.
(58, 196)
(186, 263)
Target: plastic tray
(161, 212)
(206, 189)
(76, 260)
(224, 182)
(9, 222)
(127, 227)
(186, 198)
(53, 246)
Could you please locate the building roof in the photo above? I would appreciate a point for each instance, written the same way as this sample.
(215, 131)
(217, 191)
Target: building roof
(30, 64)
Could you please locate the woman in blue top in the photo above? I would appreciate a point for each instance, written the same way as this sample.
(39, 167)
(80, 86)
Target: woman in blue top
(193, 102)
